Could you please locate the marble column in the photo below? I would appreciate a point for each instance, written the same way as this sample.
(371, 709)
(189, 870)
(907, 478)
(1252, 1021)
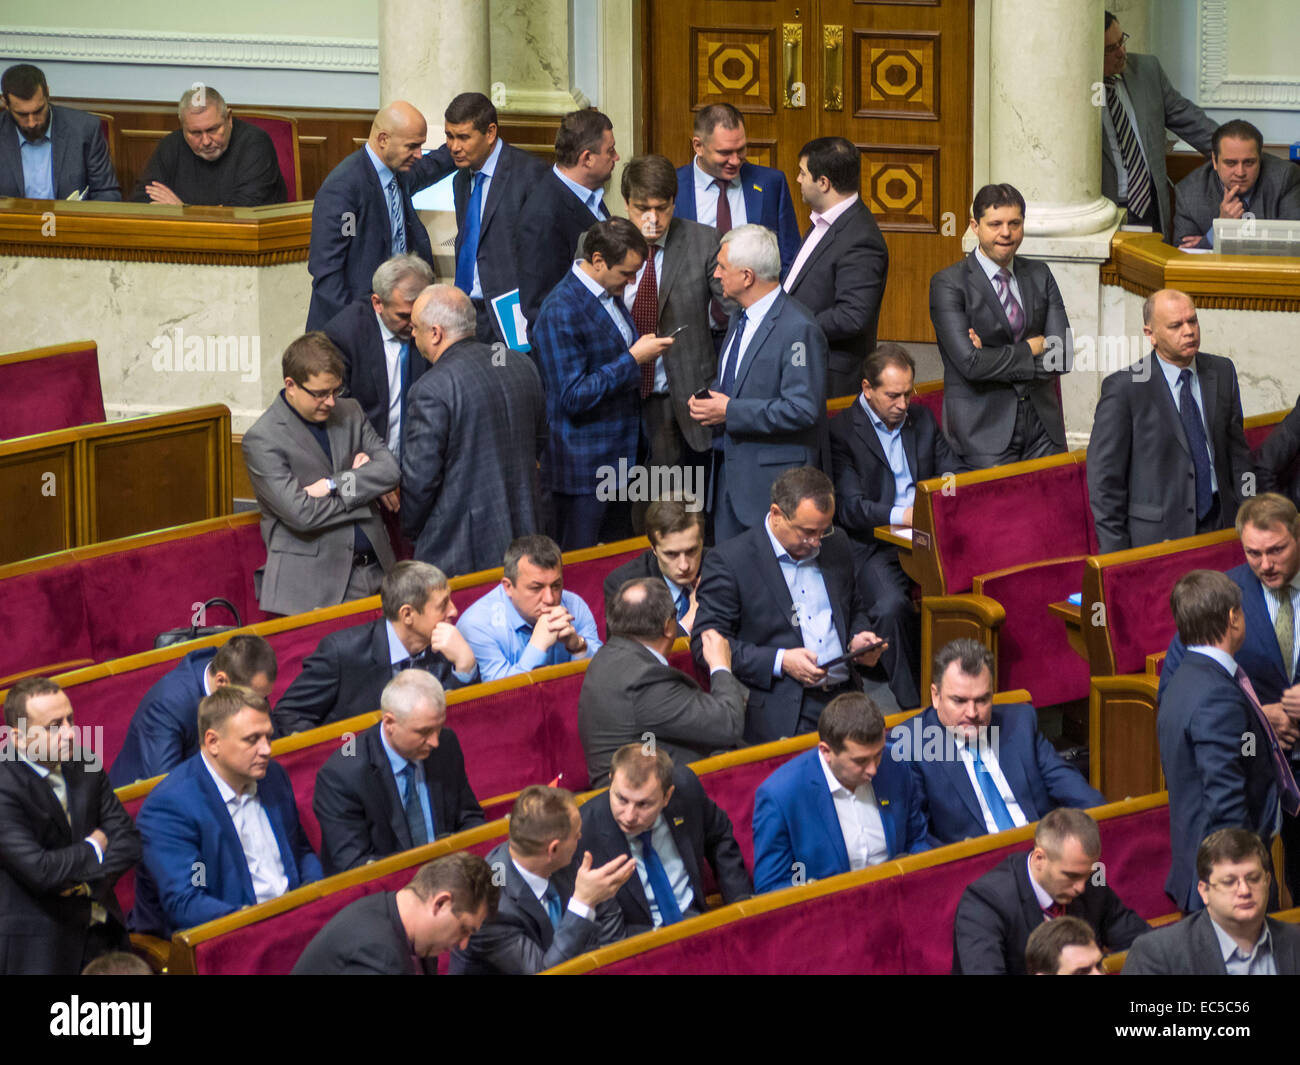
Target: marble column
(431, 50)
(530, 56)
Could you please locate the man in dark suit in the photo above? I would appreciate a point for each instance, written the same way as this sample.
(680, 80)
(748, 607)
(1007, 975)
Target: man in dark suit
(1275, 459)
(493, 182)
(476, 428)
(1223, 765)
(840, 271)
(64, 840)
(657, 812)
(49, 152)
(881, 447)
(380, 364)
(754, 194)
(552, 907)
(983, 768)
(590, 357)
(164, 728)
(1004, 339)
(785, 597)
(1239, 181)
(676, 551)
(562, 206)
(630, 690)
(1140, 105)
(221, 831)
(1168, 455)
(768, 406)
(363, 215)
(349, 669)
(843, 805)
(998, 911)
(319, 470)
(402, 786)
(401, 933)
(1231, 936)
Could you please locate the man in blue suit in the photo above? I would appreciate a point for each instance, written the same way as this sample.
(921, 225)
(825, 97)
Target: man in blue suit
(982, 768)
(221, 832)
(164, 729)
(843, 805)
(755, 194)
(590, 357)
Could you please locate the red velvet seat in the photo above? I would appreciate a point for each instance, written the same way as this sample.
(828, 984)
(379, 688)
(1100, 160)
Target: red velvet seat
(50, 388)
(283, 132)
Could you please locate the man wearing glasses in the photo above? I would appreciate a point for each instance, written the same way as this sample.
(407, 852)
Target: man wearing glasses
(783, 593)
(320, 472)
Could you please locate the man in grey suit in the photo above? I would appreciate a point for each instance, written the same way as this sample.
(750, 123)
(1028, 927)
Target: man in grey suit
(318, 468)
(1231, 936)
(475, 429)
(1140, 105)
(631, 690)
(1004, 339)
(1168, 455)
(1239, 181)
(552, 907)
(768, 406)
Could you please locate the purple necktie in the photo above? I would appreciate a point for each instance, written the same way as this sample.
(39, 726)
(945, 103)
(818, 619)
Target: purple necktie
(1015, 313)
(1290, 793)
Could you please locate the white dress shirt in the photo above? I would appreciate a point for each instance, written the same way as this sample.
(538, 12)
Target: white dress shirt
(754, 315)
(821, 224)
(538, 885)
(706, 199)
(860, 822)
(990, 759)
(261, 851)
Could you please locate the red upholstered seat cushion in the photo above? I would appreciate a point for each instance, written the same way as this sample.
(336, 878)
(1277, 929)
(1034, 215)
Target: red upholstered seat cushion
(55, 392)
(43, 618)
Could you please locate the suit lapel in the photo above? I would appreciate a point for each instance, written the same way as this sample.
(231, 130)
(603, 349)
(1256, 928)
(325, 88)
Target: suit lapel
(1257, 620)
(909, 446)
(1209, 378)
(867, 434)
(677, 816)
(596, 312)
(496, 188)
(770, 568)
(61, 145)
(294, 428)
(377, 369)
(460, 197)
(672, 261)
(982, 289)
(226, 826)
(756, 342)
(382, 772)
(824, 245)
(954, 768)
(829, 820)
(11, 151)
(753, 194)
(1027, 295)
(615, 843)
(281, 834)
(1029, 908)
(44, 793)
(1163, 399)
(336, 431)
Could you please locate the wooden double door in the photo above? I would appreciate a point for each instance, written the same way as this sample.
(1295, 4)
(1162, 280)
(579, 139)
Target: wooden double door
(892, 77)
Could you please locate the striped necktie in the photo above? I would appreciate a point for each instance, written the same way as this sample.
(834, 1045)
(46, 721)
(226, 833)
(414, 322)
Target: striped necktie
(396, 219)
(1140, 189)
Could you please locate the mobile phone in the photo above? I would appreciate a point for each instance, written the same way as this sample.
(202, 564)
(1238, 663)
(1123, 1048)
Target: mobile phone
(703, 393)
(677, 330)
(848, 656)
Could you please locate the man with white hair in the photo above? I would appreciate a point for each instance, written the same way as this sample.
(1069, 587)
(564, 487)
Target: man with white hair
(475, 429)
(768, 404)
(401, 784)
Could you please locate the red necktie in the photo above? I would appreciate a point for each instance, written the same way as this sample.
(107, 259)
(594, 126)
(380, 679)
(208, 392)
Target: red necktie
(723, 227)
(645, 316)
(1053, 911)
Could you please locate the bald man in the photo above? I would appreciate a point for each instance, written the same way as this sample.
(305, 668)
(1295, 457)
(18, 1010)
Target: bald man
(363, 214)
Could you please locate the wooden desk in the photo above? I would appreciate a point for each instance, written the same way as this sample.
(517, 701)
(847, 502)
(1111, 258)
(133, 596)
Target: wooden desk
(1072, 615)
(901, 537)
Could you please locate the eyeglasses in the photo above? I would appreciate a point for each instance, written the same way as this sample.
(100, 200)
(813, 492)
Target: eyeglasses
(809, 536)
(323, 393)
(1230, 883)
(1112, 49)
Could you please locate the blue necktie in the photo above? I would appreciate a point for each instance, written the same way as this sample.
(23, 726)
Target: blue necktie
(683, 604)
(414, 812)
(998, 808)
(1195, 430)
(396, 221)
(553, 910)
(669, 911)
(403, 383)
(733, 356)
(469, 246)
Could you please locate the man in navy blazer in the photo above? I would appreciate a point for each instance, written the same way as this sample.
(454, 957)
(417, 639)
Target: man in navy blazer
(49, 152)
(221, 832)
(352, 217)
(755, 194)
(803, 811)
(164, 729)
(982, 768)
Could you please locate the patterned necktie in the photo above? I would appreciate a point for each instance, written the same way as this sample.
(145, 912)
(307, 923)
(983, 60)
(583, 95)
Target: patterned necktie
(665, 900)
(1053, 911)
(1190, 415)
(992, 796)
(396, 221)
(414, 808)
(1288, 791)
(1015, 313)
(469, 246)
(1284, 626)
(645, 316)
(1140, 188)
(723, 226)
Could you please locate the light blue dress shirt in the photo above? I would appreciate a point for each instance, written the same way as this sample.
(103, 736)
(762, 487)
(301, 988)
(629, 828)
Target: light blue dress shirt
(591, 197)
(812, 606)
(706, 199)
(498, 635)
(398, 763)
(487, 170)
(385, 177)
(1259, 962)
(661, 838)
(1171, 373)
(607, 302)
(891, 443)
(397, 652)
(38, 163)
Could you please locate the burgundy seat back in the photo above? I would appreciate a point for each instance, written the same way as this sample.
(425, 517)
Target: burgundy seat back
(586, 580)
(109, 702)
(43, 616)
(302, 766)
(559, 698)
(55, 391)
(293, 645)
(733, 789)
(124, 889)
(931, 399)
(1257, 433)
(504, 737)
(283, 132)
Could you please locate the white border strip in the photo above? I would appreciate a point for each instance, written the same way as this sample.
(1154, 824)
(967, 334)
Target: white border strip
(1220, 88)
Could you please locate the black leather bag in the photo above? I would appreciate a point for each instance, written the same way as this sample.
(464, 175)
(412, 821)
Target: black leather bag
(196, 632)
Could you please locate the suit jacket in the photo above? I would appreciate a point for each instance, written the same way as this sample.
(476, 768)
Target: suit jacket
(1190, 948)
(520, 940)
(79, 157)
(593, 398)
(355, 331)
(351, 233)
(345, 676)
(644, 565)
(767, 203)
(365, 938)
(627, 692)
(979, 384)
(164, 729)
(309, 542)
(546, 240)
(1141, 480)
(776, 419)
(702, 832)
(194, 868)
(743, 595)
(1202, 725)
(795, 821)
(475, 430)
(360, 811)
(1039, 778)
(999, 910)
(44, 856)
(1276, 195)
(1158, 106)
(1275, 461)
(842, 284)
(516, 175)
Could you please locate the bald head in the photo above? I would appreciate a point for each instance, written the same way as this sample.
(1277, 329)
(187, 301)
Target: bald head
(397, 135)
(441, 315)
(1170, 323)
